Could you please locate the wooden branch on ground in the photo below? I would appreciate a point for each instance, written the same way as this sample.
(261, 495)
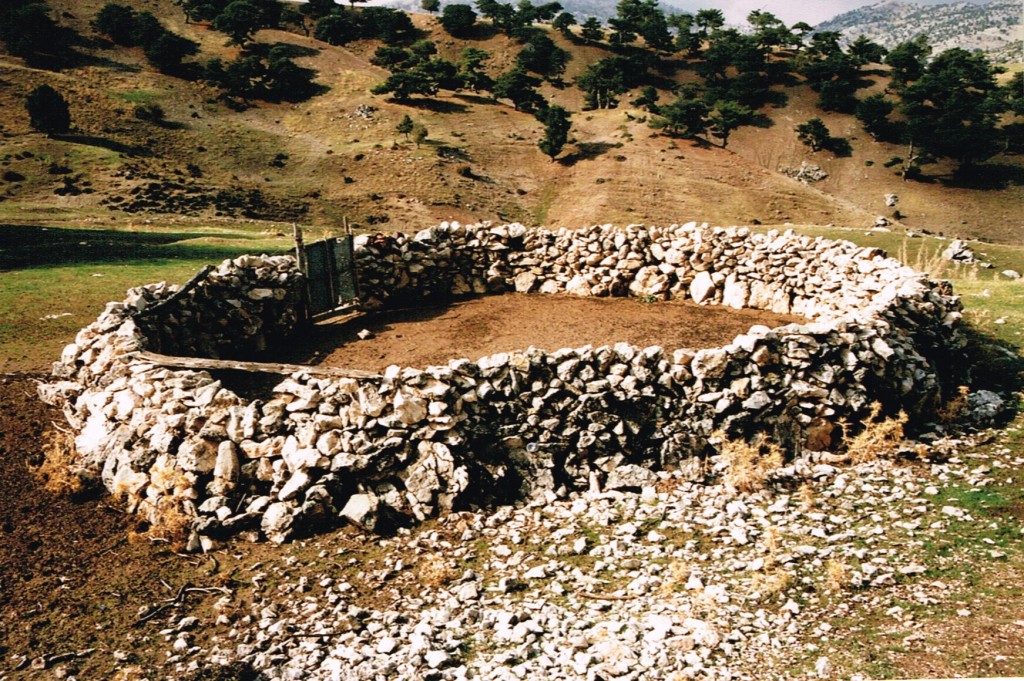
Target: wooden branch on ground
(605, 597)
(202, 363)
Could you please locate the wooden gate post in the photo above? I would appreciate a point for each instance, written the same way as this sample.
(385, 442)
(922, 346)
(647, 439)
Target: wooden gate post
(300, 260)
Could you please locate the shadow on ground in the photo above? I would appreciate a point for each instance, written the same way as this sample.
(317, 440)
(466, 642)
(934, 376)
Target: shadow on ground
(23, 246)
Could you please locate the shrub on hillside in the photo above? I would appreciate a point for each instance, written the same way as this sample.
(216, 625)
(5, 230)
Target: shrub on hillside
(165, 50)
(48, 111)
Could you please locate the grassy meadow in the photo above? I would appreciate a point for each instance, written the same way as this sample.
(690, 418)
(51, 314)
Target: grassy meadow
(54, 281)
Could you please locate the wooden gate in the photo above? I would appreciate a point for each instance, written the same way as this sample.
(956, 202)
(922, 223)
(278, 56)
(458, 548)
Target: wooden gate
(330, 269)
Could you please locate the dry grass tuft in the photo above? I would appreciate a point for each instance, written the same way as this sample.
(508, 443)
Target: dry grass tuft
(878, 438)
(435, 572)
(676, 576)
(771, 582)
(956, 408)
(806, 496)
(931, 263)
(170, 523)
(836, 574)
(749, 464)
(58, 473)
(772, 540)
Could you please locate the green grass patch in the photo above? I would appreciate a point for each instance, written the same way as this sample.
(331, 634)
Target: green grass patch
(55, 281)
(995, 308)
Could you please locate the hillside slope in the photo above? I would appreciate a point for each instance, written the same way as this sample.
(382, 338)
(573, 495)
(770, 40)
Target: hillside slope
(993, 27)
(338, 156)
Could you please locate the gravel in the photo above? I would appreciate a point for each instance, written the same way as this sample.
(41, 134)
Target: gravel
(678, 580)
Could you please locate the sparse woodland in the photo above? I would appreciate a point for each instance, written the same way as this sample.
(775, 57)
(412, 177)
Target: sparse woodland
(946, 105)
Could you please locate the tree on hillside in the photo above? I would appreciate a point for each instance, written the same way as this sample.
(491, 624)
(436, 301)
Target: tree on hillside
(556, 130)
(640, 18)
(386, 24)
(264, 72)
(647, 99)
(563, 23)
(726, 117)
(471, 69)
(430, 5)
(541, 55)
(48, 111)
(423, 50)
(201, 10)
(28, 31)
(117, 22)
(405, 126)
(769, 30)
(501, 15)
(873, 113)
(419, 134)
(539, 13)
(240, 20)
(591, 30)
(736, 67)
(391, 58)
(800, 30)
(402, 85)
(686, 116)
(443, 73)
(686, 39)
(814, 133)
(867, 51)
(683, 117)
(458, 20)
(953, 109)
(603, 81)
(168, 51)
(707, 21)
(835, 75)
(338, 28)
(520, 88)
(146, 28)
(907, 60)
(286, 81)
(317, 9)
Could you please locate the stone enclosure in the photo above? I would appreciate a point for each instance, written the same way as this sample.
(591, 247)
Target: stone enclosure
(385, 450)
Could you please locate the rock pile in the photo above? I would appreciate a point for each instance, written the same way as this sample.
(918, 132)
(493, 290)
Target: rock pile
(959, 251)
(412, 443)
(678, 581)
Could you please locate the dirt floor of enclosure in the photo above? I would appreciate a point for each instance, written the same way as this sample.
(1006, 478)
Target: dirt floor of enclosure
(478, 327)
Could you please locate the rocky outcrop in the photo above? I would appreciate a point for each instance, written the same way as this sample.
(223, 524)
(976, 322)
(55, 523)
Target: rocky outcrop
(415, 442)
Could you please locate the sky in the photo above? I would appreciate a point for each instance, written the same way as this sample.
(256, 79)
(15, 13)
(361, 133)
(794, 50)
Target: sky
(790, 11)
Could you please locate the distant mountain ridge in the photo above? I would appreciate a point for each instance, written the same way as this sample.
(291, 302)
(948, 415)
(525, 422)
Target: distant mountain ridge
(992, 27)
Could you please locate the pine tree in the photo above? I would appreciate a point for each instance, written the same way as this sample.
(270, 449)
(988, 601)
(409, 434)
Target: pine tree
(405, 126)
(556, 130)
(814, 133)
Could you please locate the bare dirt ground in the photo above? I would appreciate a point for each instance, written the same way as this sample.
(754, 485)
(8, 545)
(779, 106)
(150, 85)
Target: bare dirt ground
(478, 327)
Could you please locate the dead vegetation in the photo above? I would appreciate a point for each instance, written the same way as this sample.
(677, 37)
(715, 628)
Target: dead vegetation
(749, 464)
(878, 438)
(58, 473)
(957, 408)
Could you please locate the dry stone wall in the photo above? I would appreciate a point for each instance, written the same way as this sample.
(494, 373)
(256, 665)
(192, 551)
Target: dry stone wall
(415, 442)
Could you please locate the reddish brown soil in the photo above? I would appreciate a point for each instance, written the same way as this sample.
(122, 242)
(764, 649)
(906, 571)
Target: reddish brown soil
(479, 327)
(70, 579)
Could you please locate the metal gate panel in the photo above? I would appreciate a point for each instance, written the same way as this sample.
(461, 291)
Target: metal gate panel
(319, 276)
(344, 270)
